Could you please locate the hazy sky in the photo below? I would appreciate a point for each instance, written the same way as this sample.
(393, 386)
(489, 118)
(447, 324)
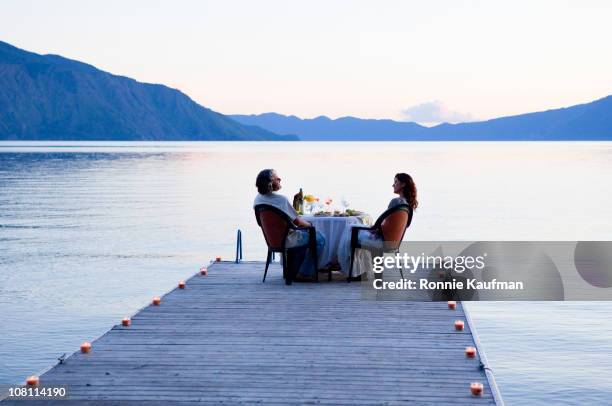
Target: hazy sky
(426, 61)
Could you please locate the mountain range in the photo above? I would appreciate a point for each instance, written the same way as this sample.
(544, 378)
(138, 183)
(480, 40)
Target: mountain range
(48, 97)
(590, 121)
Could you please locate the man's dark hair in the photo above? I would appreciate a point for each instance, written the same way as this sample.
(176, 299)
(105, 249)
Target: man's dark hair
(264, 181)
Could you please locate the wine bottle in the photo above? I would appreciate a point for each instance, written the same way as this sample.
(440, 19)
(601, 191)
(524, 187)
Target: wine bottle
(301, 201)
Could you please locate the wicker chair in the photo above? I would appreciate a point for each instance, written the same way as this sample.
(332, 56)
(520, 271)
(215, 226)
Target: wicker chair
(276, 225)
(390, 226)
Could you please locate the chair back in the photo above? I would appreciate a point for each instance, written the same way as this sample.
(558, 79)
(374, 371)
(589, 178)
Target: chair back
(393, 224)
(275, 225)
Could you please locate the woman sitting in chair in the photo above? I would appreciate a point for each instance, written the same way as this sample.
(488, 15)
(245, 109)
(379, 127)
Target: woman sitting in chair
(268, 183)
(404, 186)
(389, 227)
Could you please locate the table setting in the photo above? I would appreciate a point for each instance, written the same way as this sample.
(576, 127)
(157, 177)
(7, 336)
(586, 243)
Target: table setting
(335, 224)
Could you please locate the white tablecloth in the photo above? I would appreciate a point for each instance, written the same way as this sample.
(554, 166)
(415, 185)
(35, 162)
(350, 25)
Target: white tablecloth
(337, 233)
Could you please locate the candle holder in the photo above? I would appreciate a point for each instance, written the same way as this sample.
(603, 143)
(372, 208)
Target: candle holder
(126, 322)
(476, 388)
(470, 352)
(85, 347)
(32, 380)
(459, 325)
(156, 301)
(452, 304)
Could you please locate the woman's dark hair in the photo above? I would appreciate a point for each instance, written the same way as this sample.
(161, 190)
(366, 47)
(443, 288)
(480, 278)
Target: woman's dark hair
(409, 191)
(264, 181)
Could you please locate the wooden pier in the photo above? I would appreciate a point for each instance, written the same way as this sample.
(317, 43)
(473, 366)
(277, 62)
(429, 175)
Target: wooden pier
(228, 338)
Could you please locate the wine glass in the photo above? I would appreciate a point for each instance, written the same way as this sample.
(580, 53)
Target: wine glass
(345, 204)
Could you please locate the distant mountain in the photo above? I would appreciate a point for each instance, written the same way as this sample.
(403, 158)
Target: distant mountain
(341, 129)
(590, 121)
(48, 97)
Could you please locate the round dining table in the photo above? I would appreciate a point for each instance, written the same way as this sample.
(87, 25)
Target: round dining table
(337, 233)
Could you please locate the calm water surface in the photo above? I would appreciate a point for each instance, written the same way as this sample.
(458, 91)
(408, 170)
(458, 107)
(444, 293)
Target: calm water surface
(90, 231)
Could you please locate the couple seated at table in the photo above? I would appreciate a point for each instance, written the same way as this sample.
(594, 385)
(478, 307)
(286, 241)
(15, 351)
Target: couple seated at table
(304, 236)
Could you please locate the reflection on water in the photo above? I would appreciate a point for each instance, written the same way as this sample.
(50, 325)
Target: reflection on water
(90, 231)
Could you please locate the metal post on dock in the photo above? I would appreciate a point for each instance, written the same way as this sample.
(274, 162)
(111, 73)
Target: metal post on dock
(239, 246)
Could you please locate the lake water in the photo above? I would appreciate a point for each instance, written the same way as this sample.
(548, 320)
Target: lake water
(89, 232)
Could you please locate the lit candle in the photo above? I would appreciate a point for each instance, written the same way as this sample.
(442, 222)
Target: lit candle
(470, 352)
(85, 347)
(458, 325)
(126, 321)
(156, 301)
(181, 285)
(452, 304)
(32, 380)
(476, 388)
(218, 259)
(203, 271)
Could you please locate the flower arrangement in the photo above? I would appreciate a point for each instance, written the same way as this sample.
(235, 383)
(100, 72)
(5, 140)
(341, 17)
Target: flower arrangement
(310, 199)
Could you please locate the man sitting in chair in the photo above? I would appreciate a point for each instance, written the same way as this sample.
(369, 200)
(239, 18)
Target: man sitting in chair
(268, 183)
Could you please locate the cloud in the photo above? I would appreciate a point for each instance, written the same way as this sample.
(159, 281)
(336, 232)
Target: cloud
(434, 112)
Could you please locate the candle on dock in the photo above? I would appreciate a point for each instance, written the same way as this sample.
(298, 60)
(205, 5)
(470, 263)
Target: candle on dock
(181, 285)
(218, 259)
(458, 325)
(203, 271)
(156, 301)
(476, 388)
(452, 304)
(32, 380)
(85, 347)
(126, 321)
(470, 352)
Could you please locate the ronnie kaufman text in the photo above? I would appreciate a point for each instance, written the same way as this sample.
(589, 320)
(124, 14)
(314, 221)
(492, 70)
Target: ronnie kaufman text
(425, 284)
